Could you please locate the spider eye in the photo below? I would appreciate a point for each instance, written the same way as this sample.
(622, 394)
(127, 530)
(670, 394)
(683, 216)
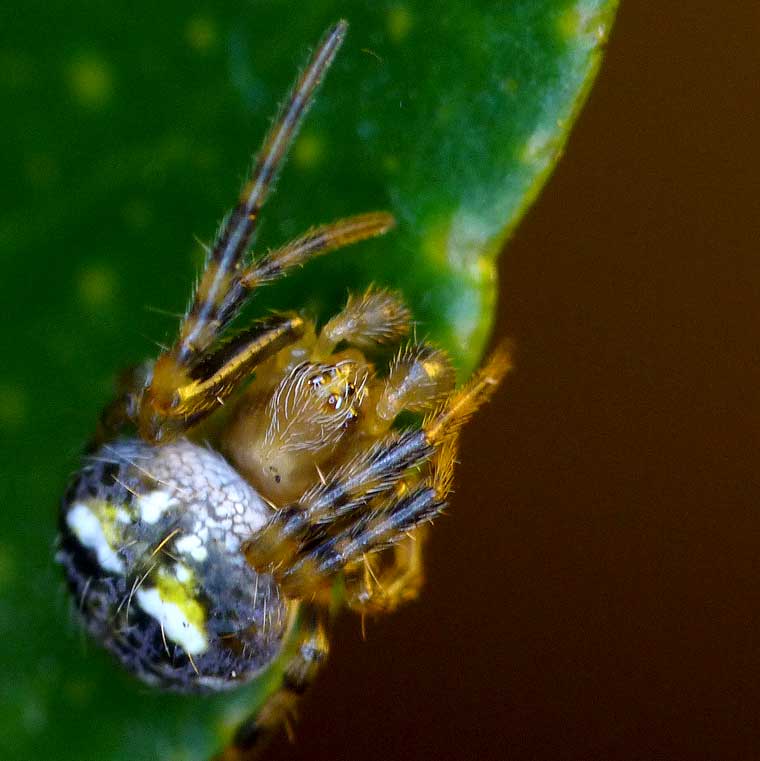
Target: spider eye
(350, 416)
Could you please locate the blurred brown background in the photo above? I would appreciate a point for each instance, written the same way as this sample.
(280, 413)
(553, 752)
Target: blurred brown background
(595, 592)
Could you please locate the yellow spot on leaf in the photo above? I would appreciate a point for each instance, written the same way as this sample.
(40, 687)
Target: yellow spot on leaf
(96, 286)
(399, 23)
(308, 151)
(180, 754)
(136, 214)
(435, 243)
(41, 170)
(12, 412)
(509, 86)
(78, 692)
(391, 164)
(201, 33)
(90, 81)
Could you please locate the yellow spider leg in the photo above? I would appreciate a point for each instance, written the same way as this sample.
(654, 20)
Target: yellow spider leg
(317, 241)
(219, 294)
(372, 590)
(211, 299)
(212, 379)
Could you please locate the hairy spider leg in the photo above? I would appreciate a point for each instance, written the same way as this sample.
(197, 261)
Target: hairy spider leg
(252, 737)
(319, 240)
(208, 380)
(347, 494)
(378, 528)
(380, 583)
(219, 294)
(216, 375)
(168, 404)
(215, 300)
(420, 377)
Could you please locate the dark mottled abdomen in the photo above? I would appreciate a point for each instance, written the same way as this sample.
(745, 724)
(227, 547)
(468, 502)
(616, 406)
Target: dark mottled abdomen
(150, 543)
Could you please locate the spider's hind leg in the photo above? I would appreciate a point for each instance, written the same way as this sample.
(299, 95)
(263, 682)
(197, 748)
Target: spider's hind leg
(379, 583)
(255, 733)
(122, 410)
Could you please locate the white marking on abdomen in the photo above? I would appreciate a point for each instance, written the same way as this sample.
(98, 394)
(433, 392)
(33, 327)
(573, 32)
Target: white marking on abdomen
(154, 504)
(88, 529)
(175, 622)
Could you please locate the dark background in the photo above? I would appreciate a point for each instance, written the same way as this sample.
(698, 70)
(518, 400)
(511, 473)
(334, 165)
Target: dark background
(595, 592)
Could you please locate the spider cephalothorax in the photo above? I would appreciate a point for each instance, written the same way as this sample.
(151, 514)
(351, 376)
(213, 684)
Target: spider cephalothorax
(192, 563)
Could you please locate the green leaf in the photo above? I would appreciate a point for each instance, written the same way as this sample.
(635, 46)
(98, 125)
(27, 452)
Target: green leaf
(126, 133)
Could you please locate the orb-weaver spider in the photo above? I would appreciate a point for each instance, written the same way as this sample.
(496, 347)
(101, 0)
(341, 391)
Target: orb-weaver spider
(192, 565)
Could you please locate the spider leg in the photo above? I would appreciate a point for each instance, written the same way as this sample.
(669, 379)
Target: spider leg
(420, 376)
(347, 494)
(373, 590)
(317, 241)
(220, 294)
(122, 411)
(213, 299)
(389, 522)
(215, 375)
(252, 737)
(188, 391)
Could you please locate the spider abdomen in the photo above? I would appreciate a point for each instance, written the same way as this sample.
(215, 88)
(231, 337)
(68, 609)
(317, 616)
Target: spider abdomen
(150, 542)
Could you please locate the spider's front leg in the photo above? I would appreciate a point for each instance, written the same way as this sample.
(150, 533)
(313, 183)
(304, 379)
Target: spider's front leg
(191, 378)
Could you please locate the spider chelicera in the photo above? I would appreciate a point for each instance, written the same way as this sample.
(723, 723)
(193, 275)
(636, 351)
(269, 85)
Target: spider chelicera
(192, 564)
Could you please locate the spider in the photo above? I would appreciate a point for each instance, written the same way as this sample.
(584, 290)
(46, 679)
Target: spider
(193, 564)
